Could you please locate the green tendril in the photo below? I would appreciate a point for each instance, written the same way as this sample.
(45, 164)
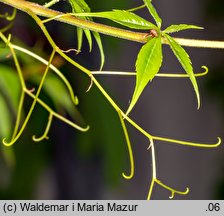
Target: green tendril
(12, 16)
(173, 191)
(180, 142)
(6, 28)
(51, 3)
(22, 82)
(44, 136)
(131, 158)
(32, 106)
(9, 17)
(168, 75)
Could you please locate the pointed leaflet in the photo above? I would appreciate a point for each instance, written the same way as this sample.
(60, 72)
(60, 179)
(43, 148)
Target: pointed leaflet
(79, 38)
(148, 63)
(153, 12)
(80, 6)
(180, 27)
(89, 38)
(123, 17)
(96, 35)
(185, 61)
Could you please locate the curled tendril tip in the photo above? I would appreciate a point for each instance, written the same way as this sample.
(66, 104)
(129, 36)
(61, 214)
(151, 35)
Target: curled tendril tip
(127, 176)
(39, 139)
(8, 144)
(91, 84)
(179, 192)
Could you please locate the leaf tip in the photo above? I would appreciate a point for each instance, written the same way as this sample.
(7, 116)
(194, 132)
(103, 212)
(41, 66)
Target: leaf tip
(198, 100)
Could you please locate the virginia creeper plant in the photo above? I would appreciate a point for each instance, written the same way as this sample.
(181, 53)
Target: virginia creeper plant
(148, 63)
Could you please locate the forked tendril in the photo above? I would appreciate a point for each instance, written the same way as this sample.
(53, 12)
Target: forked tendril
(32, 106)
(173, 191)
(44, 136)
(155, 179)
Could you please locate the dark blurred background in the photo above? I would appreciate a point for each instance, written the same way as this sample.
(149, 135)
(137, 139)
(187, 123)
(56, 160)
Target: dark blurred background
(75, 165)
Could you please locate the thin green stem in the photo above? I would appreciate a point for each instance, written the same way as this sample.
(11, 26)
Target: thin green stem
(151, 189)
(154, 173)
(137, 8)
(22, 82)
(131, 158)
(33, 104)
(20, 107)
(51, 3)
(180, 142)
(168, 75)
(6, 28)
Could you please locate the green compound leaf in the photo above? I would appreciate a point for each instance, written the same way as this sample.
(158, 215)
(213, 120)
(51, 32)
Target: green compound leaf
(123, 17)
(185, 61)
(148, 63)
(180, 27)
(153, 12)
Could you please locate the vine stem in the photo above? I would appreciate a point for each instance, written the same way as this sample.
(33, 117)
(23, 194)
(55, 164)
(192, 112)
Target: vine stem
(104, 29)
(102, 90)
